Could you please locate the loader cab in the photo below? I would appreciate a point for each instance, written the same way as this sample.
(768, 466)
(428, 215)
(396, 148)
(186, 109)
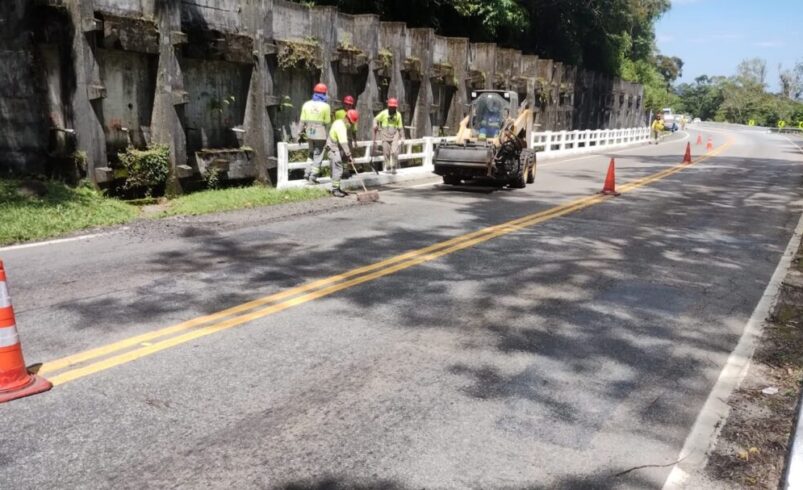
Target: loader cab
(489, 111)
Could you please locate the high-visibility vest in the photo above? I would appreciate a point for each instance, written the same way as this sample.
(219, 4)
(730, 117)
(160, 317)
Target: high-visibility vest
(339, 132)
(316, 116)
(384, 120)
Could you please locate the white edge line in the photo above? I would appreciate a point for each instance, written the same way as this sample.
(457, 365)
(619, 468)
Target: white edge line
(54, 242)
(792, 141)
(693, 456)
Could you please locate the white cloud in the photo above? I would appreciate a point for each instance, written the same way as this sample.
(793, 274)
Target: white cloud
(770, 44)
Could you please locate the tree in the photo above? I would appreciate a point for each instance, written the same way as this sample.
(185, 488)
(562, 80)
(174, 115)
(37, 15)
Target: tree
(671, 68)
(791, 81)
(752, 71)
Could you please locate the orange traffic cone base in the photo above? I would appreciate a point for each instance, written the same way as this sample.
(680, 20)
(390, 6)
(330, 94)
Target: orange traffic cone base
(609, 188)
(36, 384)
(687, 155)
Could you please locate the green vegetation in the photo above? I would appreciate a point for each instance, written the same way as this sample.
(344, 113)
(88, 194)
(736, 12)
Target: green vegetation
(35, 210)
(214, 201)
(300, 53)
(743, 97)
(146, 169)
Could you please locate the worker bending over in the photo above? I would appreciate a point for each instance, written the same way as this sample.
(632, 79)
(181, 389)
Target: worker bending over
(339, 148)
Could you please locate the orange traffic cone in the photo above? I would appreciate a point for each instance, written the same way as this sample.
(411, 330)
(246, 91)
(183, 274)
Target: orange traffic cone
(699, 139)
(610, 181)
(710, 145)
(15, 381)
(687, 156)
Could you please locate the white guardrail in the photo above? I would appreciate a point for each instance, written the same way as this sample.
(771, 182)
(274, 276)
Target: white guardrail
(548, 144)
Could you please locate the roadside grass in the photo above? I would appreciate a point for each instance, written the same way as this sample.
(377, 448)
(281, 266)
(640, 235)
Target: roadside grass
(25, 216)
(213, 201)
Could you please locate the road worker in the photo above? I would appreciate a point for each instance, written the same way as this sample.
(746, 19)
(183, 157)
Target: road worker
(348, 104)
(388, 124)
(657, 127)
(316, 116)
(339, 149)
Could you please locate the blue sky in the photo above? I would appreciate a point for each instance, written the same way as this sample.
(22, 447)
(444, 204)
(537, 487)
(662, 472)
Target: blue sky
(713, 36)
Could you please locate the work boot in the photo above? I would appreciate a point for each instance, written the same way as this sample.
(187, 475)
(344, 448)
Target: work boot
(338, 192)
(312, 179)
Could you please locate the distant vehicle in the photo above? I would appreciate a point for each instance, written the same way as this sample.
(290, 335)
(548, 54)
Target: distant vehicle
(697, 120)
(670, 124)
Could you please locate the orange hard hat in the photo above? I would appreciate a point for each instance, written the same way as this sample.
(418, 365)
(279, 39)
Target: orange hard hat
(348, 100)
(320, 89)
(393, 103)
(353, 116)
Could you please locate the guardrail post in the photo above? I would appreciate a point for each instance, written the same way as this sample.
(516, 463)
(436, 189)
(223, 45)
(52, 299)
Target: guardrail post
(562, 141)
(429, 153)
(282, 166)
(547, 141)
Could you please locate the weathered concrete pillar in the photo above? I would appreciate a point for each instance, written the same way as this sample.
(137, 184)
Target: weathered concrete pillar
(458, 57)
(170, 98)
(88, 91)
(529, 72)
(392, 52)
(420, 41)
(259, 135)
(323, 21)
(482, 60)
(23, 99)
(366, 36)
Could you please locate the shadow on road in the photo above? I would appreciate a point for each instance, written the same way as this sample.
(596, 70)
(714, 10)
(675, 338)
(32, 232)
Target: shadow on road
(620, 313)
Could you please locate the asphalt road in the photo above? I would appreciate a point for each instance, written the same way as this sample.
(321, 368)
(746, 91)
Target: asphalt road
(562, 351)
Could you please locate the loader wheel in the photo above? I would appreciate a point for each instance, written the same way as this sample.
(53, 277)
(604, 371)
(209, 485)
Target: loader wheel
(451, 180)
(531, 175)
(518, 182)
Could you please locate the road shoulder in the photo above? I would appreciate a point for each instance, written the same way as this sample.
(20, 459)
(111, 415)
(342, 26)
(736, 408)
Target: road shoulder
(751, 441)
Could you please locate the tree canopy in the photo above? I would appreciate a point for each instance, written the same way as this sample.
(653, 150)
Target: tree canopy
(743, 97)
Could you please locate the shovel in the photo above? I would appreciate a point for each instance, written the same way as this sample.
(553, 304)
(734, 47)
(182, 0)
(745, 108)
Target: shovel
(366, 195)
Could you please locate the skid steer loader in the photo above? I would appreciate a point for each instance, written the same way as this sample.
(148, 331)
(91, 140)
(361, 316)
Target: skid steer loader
(492, 143)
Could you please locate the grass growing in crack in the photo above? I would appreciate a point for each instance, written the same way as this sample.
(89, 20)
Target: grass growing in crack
(53, 209)
(213, 201)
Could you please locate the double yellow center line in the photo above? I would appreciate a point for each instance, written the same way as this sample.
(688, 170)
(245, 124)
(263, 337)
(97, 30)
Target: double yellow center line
(99, 359)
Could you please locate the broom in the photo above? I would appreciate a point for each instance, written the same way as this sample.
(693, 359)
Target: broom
(366, 195)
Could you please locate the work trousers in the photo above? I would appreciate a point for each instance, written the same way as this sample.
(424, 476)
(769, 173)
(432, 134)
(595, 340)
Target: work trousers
(316, 151)
(391, 150)
(336, 159)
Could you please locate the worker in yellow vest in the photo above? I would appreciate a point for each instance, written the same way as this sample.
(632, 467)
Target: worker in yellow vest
(656, 127)
(348, 104)
(388, 124)
(339, 148)
(316, 116)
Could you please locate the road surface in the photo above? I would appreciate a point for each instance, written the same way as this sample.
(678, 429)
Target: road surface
(444, 338)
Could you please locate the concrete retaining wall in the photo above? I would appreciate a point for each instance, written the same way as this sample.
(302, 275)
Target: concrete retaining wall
(82, 79)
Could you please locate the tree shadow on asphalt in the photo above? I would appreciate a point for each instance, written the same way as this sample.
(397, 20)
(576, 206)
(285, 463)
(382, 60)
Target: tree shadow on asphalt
(625, 309)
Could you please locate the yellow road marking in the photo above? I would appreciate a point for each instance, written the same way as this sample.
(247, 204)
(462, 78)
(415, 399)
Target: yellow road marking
(305, 293)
